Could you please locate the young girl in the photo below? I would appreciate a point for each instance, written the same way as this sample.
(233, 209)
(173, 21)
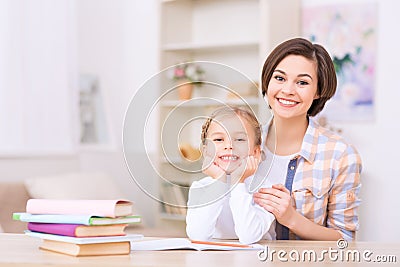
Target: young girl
(318, 173)
(220, 205)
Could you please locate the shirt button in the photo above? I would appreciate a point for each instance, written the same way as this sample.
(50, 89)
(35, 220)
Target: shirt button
(292, 168)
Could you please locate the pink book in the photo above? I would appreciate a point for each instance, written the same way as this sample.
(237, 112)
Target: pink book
(78, 230)
(103, 208)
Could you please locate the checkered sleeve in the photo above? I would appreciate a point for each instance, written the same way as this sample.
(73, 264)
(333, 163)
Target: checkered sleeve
(344, 198)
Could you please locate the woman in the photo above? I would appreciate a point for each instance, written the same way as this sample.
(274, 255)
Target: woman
(316, 174)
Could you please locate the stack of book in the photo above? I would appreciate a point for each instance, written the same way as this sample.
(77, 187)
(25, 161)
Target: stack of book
(81, 227)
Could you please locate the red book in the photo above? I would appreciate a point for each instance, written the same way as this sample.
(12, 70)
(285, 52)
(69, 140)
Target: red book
(78, 230)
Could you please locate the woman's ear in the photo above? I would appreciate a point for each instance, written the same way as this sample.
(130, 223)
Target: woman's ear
(317, 96)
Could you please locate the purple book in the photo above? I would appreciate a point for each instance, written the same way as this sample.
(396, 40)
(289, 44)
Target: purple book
(54, 228)
(77, 230)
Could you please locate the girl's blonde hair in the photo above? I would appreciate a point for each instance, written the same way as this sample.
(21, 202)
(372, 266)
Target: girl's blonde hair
(244, 113)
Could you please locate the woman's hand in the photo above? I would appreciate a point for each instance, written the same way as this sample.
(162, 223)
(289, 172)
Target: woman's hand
(248, 167)
(278, 201)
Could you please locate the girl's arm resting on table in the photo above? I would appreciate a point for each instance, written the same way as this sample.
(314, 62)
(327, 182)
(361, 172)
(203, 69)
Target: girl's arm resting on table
(206, 198)
(252, 222)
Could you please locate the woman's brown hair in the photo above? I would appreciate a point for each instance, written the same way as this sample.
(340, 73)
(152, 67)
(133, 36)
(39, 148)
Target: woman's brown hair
(325, 69)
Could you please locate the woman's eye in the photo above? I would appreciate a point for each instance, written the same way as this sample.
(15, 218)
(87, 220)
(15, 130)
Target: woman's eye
(240, 139)
(218, 140)
(302, 83)
(279, 78)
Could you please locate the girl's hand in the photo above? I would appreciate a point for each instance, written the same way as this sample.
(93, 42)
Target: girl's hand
(248, 167)
(277, 200)
(210, 168)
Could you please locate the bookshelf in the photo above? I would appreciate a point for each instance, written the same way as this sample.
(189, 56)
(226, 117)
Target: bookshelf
(235, 34)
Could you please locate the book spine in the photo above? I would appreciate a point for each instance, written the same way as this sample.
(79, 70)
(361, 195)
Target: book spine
(54, 228)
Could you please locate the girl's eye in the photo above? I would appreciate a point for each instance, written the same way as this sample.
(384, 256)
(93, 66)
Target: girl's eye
(240, 139)
(218, 140)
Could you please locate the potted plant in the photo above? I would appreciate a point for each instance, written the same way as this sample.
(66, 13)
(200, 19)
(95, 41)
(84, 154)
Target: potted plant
(187, 75)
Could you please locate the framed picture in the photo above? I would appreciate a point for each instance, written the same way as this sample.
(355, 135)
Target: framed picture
(348, 31)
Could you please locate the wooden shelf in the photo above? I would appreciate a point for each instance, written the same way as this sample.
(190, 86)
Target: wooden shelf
(209, 103)
(235, 36)
(210, 47)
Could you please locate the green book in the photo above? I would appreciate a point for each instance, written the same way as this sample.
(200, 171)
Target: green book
(75, 219)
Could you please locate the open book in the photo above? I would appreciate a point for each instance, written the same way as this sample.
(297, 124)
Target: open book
(184, 243)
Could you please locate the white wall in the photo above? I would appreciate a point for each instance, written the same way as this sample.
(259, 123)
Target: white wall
(118, 42)
(19, 167)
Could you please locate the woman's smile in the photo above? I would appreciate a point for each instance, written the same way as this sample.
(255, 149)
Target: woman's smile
(287, 102)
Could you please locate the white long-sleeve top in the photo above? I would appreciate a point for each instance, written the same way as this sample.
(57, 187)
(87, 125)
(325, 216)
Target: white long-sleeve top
(217, 211)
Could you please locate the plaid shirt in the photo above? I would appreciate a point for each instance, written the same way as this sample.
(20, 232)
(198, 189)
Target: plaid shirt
(326, 184)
